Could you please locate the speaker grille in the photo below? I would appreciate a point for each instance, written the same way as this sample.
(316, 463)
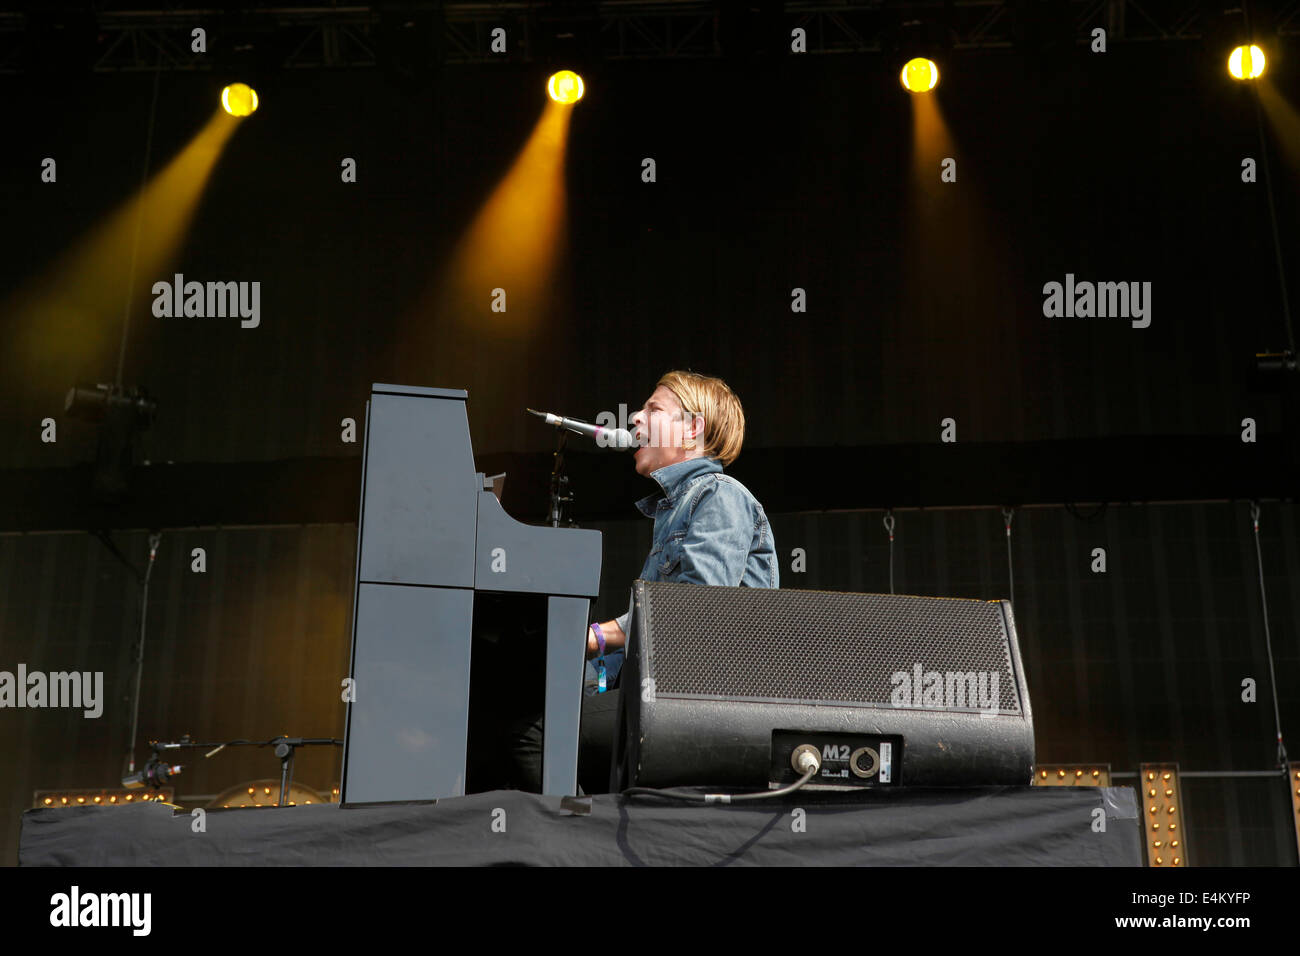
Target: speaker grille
(756, 644)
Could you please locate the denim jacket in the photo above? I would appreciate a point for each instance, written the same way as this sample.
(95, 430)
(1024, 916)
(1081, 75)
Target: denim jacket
(708, 530)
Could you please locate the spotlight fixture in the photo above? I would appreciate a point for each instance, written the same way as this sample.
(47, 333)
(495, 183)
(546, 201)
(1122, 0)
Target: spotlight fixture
(121, 414)
(919, 75)
(565, 87)
(239, 99)
(1246, 63)
(95, 403)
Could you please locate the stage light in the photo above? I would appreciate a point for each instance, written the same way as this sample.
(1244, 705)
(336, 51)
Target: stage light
(919, 75)
(255, 793)
(95, 797)
(1073, 775)
(1295, 800)
(1246, 63)
(565, 87)
(1167, 798)
(123, 413)
(239, 99)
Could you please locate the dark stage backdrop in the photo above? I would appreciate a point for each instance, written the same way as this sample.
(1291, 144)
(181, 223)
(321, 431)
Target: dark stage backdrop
(1141, 663)
(771, 176)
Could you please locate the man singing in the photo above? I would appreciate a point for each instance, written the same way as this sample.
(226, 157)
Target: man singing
(708, 530)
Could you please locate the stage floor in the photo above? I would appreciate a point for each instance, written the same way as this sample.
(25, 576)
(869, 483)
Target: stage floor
(1008, 826)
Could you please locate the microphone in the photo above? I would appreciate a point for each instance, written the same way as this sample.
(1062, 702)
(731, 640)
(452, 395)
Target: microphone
(620, 439)
(155, 774)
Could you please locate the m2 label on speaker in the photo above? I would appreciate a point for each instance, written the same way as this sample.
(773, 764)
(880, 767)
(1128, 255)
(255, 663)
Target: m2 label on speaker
(848, 761)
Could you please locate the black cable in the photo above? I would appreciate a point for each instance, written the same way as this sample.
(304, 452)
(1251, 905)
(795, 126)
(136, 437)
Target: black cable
(717, 797)
(1008, 514)
(1268, 192)
(154, 539)
(889, 526)
(1268, 639)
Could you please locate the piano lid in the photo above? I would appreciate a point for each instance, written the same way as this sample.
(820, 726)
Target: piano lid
(420, 390)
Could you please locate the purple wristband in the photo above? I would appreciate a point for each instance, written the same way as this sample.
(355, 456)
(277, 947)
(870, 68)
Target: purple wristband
(600, 639)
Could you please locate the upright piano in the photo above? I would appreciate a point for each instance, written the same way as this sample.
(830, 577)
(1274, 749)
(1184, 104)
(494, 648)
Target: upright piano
(446, 580)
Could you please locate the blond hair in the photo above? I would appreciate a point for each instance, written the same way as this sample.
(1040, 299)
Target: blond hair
(724, 419)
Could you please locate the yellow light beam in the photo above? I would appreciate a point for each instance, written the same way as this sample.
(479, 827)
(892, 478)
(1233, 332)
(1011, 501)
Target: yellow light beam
(952, 255)
(516, 239)
(516, 242)
(72, 315)
(1284, 119)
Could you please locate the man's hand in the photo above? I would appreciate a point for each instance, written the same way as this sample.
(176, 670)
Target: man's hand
(614, 638)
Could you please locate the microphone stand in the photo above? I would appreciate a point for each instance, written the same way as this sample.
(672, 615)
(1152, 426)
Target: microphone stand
(561, 494)
(285, 748)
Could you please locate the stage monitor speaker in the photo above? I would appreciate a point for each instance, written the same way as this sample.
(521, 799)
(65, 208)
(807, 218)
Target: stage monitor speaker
(721, 685)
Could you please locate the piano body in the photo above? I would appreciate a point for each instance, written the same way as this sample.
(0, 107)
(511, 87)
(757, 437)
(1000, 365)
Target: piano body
(434, 543)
